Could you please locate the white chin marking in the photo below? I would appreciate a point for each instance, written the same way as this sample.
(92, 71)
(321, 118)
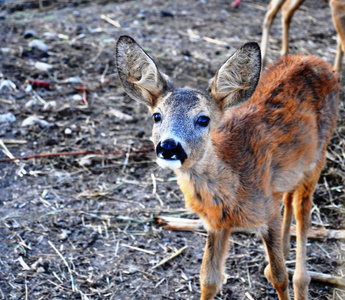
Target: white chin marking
(169, 164)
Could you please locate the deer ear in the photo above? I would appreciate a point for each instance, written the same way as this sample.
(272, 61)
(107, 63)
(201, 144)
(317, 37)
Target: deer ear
(138, 72)
(236, 80)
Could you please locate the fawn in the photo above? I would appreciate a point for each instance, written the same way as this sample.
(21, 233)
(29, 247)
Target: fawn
(240, 146)
(289, 8)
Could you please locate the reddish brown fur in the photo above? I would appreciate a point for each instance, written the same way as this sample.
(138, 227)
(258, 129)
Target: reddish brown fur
(285, 126)
(265, 129)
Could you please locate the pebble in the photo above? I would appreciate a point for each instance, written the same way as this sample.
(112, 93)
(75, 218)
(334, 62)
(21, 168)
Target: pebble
(40, 270)
(165, 13)
(50, 35)
(68, 131)
(8, 117)
(38, 45)
(7, 84)
(77, 98)
(43, 66)
(29, 34)
(35, 120)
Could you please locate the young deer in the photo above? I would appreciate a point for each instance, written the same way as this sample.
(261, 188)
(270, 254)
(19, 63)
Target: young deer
(240, 146)
(289, 8)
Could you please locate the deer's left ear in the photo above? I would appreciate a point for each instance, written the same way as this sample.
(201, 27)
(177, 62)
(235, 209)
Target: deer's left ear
(236, 80)
(138, 72)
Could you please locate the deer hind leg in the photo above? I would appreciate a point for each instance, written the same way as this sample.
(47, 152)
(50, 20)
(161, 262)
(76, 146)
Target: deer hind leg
(287, 199)
(338, 16)
(271, 13)
(288, 11)
(213, 262)
(275, 272)
(302, 202)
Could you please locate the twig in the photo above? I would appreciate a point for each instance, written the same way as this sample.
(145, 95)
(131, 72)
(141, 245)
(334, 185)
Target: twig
(320, 277)
(6, 101)
(111, 21)
(177, 253)
(23, 263)
(138, 249)
(8, 153)
(179, 224)
(13, 141)
(66, 263)
(183, 224)
(154, 184)
(249, 296)
(97, 152)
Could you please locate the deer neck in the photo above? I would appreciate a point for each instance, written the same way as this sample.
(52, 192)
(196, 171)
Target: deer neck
(208, 186)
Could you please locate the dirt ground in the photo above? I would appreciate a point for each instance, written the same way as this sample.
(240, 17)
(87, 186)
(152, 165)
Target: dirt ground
(82, 226)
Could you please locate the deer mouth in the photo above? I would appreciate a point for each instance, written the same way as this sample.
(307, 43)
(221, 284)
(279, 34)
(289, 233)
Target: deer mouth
(170, 154)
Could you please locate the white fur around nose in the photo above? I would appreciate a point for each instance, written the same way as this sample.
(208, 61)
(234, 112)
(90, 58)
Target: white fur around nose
(169, 164)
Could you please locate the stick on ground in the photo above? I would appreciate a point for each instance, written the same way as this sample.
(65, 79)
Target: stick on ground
(319, 234)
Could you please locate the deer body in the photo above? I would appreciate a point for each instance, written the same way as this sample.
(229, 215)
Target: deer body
(288, 9)
(237, 152)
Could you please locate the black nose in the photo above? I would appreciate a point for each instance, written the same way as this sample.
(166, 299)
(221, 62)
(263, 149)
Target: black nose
(169, 144)
(170, 149)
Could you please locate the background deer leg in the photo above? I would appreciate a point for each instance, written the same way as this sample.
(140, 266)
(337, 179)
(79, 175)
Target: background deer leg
(272, 11)
(338, 16)
(288, 11)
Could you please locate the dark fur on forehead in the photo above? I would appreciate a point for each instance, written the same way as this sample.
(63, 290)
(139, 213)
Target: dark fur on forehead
(188, 97)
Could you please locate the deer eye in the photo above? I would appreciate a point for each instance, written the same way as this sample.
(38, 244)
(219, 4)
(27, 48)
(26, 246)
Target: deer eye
(156, 117)
(203, 121)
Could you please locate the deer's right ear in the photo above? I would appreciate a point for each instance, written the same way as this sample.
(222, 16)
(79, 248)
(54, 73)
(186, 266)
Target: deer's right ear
(237, 78)
(138, 72)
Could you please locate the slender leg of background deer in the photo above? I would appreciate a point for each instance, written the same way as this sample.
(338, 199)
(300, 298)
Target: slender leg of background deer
(287, 223)
(339, 57)
(275, 272)
(212, 264)
(302, 202)
(289, 9)
(338, 16)
(273, 8)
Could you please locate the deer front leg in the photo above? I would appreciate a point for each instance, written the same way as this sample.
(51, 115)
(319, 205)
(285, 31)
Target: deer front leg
(212, 264)
(275, 272)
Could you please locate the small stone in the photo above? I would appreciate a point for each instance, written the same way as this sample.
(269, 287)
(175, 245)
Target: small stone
(29, 121)
(40, 270)
(8, 117)
(165, 13)
(29, 34)
(50, 35)
(68, 131)
(43, 66)
(37, 44)
(77, 98)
